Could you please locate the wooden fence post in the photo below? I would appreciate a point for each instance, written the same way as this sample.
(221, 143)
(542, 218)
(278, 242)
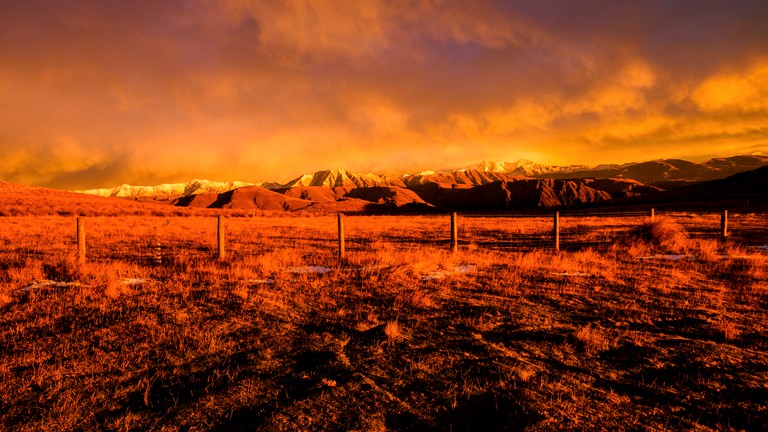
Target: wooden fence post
(724, 225)
(341, 236)
(557, 231)
(221, 242)
(80, 241)
(454, 233)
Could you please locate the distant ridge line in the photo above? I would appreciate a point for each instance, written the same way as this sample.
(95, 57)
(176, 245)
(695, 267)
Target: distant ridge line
(666, 173)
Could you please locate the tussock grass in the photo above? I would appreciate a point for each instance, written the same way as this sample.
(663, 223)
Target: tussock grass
(394, 331)
(662, 233)
(593, 339)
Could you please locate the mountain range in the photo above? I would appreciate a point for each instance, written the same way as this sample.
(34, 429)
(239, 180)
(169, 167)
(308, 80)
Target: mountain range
(665, 173)
(485, 186)
(488, 185)
(167, 191)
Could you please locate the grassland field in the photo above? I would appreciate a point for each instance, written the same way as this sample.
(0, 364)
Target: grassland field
(633, 325)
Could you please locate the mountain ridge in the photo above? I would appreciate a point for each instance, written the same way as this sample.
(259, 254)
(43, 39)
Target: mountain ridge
(167, 190)
(745, 191)
(666, 173)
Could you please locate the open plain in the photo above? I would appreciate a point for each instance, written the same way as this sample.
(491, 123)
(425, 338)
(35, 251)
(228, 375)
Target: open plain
(632, 325)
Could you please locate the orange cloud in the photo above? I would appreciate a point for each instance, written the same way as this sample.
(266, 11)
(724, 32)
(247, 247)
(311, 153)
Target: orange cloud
(100, 93)
(743, 91)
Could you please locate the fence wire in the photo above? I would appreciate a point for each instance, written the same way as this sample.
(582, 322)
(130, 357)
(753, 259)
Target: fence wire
(158, 240)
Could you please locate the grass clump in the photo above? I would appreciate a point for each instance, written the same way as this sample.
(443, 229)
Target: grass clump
(663, 233)
(63, 268)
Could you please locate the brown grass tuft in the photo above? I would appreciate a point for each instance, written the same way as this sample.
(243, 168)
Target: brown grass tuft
(707, 250)
(728, 329)
(663, 232)
(5, 299)
(64, 268)
(394, 332)
(593, 339)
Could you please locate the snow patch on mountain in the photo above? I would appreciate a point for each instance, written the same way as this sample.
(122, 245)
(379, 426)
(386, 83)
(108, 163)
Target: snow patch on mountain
(168, 190)
(522, 167)
(344, 178)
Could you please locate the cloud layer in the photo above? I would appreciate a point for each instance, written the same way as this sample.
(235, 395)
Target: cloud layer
(103, 92)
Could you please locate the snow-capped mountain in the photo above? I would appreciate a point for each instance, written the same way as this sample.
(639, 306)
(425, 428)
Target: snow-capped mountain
(166, 191)
(487, 172)
(458, 177)
(344, 178)
(522, 167)
(665, 173)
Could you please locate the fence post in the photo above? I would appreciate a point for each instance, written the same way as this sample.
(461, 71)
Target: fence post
(557, 231)
(724, 225)
(80, 241)
(221, 242)
(157, 256)
(653, 214)
(341, 236)
(454, 233)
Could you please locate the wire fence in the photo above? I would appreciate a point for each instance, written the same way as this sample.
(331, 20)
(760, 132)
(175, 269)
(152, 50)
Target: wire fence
(150, 240)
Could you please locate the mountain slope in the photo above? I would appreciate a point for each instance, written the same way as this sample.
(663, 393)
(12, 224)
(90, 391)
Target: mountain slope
(22, 200)
(736, 164)
(248, 197)
(621, 188)
(343, 178)
(522, 167)
(461, 177)
(391, 196)
(745, 185)
(167, 191)
(669, 172)
(318, 194)
(387, 195)
(517, 194)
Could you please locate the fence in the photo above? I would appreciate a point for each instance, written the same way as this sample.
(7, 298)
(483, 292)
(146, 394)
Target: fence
(499, 233)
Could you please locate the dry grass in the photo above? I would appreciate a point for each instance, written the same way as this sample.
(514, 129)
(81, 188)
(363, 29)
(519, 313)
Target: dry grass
(393, 331)
(663, 232)
(154, 334)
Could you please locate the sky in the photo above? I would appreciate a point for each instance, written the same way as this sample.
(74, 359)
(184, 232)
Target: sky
(97, 93)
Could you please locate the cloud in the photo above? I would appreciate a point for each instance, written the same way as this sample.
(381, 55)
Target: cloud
(111, 92)
(744, 91)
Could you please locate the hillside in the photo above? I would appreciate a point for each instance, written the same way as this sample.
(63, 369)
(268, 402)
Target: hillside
(167, 191)
(248, 197)
(22, 200)
(621, 188)
(460, 177)
(671, 172)
(387, 195)
(343, 178)
(318, 194)
(321, 199)
(518, 194)
(522, 167)
(752, 185)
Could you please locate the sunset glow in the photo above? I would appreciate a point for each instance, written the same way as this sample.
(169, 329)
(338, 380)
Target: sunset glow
(98, 93)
